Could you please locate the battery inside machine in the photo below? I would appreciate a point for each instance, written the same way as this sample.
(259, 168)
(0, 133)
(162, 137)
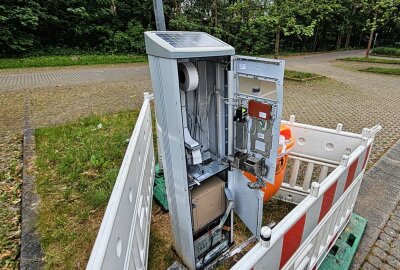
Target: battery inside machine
(208, 201)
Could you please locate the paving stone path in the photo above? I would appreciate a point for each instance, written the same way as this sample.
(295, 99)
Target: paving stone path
(385, 253)
(33, 78)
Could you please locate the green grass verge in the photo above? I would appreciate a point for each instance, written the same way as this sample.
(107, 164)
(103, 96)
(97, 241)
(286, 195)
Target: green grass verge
(77, 165)
(380, 70)
(52, 61)
(300, 76)
(371, 60)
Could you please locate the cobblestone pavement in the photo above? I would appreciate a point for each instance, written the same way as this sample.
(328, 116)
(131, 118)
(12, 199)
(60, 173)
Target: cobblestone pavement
(32, 78)
(385, 253)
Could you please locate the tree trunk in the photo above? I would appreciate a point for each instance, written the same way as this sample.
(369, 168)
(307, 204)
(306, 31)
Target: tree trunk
(177, 7)
(350, 28)
(339, 41)
(215, 13)
(348, 37)
(277, 41)
(360, 39)
(371, 36)
(305, 44)
(314, 46)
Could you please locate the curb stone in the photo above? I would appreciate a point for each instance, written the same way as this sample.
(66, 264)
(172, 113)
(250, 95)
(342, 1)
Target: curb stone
(31, 252)
(31, 257)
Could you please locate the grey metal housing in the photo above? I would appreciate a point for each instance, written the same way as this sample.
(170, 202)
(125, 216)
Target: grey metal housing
(205, 115)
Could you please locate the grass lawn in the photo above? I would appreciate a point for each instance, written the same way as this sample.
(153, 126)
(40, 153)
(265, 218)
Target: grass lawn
(298, 75)
(380, 70)
(51, 61)
(77, 165)
(371, 60)
(10, 201)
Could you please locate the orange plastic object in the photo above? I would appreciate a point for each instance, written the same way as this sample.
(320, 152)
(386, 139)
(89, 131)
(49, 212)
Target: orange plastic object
(281, 162)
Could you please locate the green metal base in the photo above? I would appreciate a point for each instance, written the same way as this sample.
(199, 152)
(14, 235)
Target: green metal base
(342, 253)
(159, 190)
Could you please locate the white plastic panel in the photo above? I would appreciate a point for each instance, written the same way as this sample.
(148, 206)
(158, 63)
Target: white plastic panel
(123, 238)
(324, 143)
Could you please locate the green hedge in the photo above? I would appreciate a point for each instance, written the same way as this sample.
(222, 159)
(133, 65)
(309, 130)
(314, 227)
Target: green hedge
(389, 51)
(68, 60)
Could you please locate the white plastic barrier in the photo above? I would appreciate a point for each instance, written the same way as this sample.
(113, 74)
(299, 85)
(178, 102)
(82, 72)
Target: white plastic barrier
(303, 238)
(325, 197)
(123, 238)
(316, 153)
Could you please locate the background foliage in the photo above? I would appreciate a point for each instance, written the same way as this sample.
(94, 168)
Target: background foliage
(32, 27)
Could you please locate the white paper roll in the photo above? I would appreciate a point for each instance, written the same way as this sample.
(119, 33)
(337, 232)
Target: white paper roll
(188, 76)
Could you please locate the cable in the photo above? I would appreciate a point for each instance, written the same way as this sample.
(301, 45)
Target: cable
(191, 122)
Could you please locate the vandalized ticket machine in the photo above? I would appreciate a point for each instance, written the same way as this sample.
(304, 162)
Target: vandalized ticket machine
(218, 120)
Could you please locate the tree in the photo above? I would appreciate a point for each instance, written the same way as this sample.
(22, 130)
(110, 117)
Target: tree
(323, 12)
(378, 13)
(355, 5)
(18, 21)
(251, 26)
(285, 15)
(248, 28)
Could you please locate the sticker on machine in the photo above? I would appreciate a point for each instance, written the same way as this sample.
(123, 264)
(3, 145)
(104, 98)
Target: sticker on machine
(262, 115)
(260, 136)
(260, 145)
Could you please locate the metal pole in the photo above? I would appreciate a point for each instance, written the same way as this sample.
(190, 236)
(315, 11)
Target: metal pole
(159, 15)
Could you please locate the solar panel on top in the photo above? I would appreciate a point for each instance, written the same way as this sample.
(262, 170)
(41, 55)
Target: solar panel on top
(188, 40)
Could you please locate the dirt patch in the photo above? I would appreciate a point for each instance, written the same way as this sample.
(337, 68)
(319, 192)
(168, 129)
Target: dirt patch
(58, 104)
(161, 254)
(10, 200)
(11, 113)
(51, 107)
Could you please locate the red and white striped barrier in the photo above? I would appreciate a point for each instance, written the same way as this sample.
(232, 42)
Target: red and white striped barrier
(303, 238)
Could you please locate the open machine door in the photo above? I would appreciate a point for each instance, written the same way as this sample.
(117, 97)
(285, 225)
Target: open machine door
(123, 238)
(258, 96)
